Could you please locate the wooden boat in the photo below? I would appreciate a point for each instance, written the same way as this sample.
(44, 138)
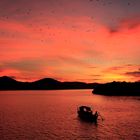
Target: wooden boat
(85, 113)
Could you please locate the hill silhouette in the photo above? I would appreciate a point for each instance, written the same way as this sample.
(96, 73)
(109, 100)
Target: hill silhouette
(110, 89)
(118, 88)
(8, 83)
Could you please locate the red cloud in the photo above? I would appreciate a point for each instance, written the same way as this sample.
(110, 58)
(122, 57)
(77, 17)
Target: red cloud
(126, 24)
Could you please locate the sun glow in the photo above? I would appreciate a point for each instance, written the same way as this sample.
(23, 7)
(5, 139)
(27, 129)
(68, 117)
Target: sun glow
(115, 77)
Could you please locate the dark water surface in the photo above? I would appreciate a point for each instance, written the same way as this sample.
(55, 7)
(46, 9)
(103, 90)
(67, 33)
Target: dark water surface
(51, 115)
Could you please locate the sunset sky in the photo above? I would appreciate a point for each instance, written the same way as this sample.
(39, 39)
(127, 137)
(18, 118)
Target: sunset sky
(70, 40)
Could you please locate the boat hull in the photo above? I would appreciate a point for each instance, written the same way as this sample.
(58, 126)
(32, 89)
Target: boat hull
(87, 117)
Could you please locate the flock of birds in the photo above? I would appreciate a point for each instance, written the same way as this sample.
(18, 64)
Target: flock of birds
(27, 13)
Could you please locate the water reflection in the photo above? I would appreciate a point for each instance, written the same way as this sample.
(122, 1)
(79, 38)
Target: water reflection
(53, 115)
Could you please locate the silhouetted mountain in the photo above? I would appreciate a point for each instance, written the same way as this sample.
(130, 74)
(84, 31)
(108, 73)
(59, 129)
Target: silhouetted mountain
(46, 83)
(118, 88)
(7, 83)
(6, 79)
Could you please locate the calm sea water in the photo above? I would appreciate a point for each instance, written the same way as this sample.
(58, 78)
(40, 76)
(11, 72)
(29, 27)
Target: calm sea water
(51, 115)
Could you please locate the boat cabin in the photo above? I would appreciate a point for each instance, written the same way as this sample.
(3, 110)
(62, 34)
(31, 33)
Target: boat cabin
(85, 112)
(85, 109)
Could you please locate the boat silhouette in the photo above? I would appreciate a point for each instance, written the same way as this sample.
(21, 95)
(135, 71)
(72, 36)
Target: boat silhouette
(85, 113)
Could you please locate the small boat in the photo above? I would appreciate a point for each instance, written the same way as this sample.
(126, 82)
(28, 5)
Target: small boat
(85, 113)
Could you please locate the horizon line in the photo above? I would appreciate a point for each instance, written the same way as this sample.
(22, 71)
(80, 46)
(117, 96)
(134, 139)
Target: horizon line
(65, 81)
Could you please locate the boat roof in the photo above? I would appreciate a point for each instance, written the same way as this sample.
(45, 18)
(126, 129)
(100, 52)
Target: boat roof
(87, 107)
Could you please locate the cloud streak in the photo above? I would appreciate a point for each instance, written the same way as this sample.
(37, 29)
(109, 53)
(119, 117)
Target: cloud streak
(134, 73)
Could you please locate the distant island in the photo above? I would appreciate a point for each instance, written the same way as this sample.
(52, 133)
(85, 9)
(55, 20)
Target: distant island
(118, 88)
(8, 83)
(110, 89)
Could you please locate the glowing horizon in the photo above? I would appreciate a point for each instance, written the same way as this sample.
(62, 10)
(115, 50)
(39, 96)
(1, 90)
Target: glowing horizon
(78, 40)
